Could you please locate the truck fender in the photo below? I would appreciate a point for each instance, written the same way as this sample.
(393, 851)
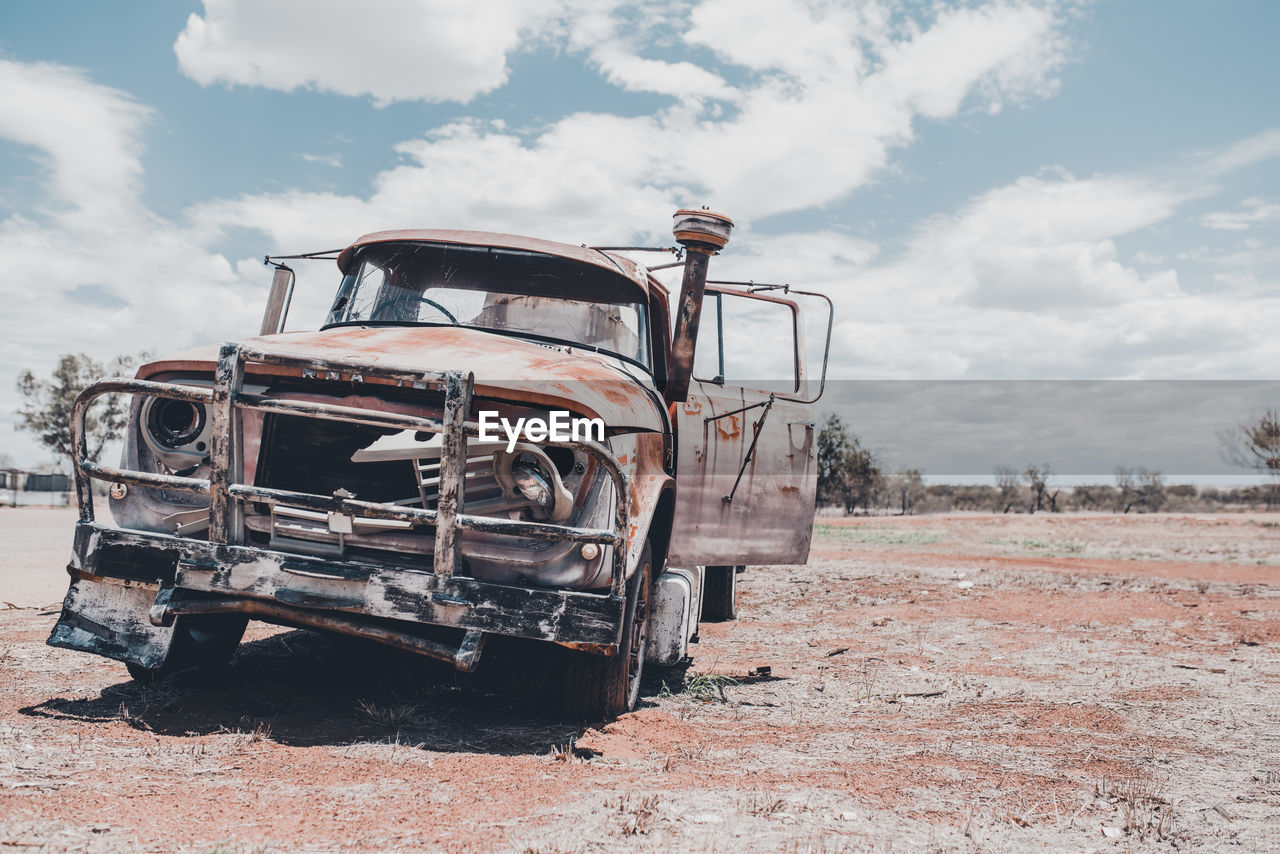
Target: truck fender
(653, 509)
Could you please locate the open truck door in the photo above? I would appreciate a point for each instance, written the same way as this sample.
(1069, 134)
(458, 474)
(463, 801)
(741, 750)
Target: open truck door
(746, 434)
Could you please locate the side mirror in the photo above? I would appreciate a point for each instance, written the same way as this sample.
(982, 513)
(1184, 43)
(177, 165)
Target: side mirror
(278, 301)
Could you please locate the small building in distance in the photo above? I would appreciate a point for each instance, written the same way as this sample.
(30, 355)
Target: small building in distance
(18, 488)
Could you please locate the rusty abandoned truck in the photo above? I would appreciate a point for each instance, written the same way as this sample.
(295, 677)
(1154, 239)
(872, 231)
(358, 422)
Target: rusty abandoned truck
(489, 435)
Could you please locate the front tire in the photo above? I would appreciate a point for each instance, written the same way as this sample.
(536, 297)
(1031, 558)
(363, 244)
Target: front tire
(200, 643)
(599, 686)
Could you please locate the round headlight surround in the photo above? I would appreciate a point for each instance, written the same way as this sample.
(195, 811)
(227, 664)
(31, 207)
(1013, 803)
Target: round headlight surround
(176, 423)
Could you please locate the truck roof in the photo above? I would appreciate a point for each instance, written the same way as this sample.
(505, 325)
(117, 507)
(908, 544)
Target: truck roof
(628, 268)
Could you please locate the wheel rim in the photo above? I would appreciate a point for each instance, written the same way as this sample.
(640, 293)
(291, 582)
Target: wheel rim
(639, 642)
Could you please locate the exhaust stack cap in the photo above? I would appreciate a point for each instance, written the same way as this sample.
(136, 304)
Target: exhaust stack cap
(702, 229)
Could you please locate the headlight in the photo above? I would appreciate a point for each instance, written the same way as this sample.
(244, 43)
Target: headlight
(175, 431)
(529, 472)
(175, 423)
(532, 482)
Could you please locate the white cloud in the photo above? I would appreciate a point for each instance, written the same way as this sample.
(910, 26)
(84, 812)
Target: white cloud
(429, 50)
(91, 269)
(614, 34)
(1040, 243)
(332, 160)
(678, 79)
(806, 128)
(1254, 211)
(85, 133)
(392, 50)
(1248, 151)
(1026, 281)
(812, 124)
(1009, 51)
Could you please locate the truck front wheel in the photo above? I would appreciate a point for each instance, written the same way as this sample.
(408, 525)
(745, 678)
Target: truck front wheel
(200, 642)
(599, 686)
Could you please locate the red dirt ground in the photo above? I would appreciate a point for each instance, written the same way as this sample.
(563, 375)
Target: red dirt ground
(940, 683)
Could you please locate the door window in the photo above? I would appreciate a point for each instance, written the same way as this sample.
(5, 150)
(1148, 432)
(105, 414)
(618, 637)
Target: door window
(748, 340)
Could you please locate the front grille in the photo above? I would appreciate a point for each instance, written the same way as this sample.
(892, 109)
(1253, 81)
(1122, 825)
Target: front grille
(385, 466)
(482, 492)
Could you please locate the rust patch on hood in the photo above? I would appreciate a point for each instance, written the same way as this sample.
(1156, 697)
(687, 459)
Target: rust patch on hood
(505, 368)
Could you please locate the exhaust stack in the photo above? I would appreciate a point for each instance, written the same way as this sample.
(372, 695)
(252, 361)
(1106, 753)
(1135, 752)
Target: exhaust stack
(702, 233)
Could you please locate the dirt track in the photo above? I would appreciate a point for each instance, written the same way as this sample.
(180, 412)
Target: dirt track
(950, 683)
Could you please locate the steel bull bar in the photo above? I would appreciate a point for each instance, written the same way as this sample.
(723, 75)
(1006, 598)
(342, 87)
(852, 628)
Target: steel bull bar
(222, 575)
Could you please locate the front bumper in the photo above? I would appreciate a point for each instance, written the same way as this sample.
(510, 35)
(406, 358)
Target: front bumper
(193, 576)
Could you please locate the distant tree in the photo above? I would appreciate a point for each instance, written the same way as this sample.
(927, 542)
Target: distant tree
(1007, 481)
(905, 489)
(975, 497)
(847, 473)
(1093, 496)
(1210, 495)
(1126, 489)
(1141, 488)
(48, 404)
(945, 493)
(1151, 490)
(1038, 479)
(834, 441)
(1255, 444)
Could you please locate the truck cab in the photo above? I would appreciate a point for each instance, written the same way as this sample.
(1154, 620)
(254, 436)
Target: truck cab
(488, 435)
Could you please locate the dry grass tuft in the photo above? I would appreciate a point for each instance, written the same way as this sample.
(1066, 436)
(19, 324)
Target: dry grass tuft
(260, 733)
(566, 752)
(248, 732)
(1143, 802)
(133, 718)
(636, 814)
(709, 687)
(865, 680)
(389, 715)
(763, 806)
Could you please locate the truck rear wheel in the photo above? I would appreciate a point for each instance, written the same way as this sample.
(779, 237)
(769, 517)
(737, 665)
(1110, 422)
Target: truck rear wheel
(720, 594)
(200, 642)
(600, 686)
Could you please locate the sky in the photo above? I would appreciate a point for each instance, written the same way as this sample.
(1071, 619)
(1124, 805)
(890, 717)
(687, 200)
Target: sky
(1011, 190)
